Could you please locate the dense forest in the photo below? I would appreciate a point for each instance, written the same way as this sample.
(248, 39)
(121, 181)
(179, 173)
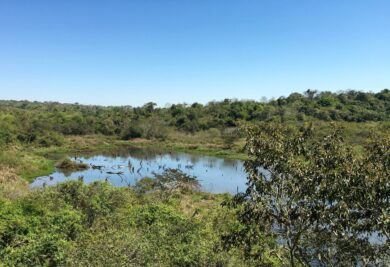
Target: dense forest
(317, 168)
(30, 122)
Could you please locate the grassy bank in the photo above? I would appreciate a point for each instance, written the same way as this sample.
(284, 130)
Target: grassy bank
(74, 224)
(30, 162)
(216, 150)
(26, 163)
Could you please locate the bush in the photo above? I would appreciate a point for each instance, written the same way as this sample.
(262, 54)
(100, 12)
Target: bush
(50, 139)
(133, 131)
(99, 225)
(68, 164)
(7, 133)
(229, 136)
(34, 232)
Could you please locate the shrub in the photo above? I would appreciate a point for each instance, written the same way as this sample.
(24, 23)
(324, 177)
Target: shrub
(50, 139)
(7, 133)
(68, 164)
(133, 131)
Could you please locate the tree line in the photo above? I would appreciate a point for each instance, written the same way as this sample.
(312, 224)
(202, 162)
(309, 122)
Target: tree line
(46, 122)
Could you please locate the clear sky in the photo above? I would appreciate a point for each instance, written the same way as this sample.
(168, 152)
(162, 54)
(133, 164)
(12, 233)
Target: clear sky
(129, 52)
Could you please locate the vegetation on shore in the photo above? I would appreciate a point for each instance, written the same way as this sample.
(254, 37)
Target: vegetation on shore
(45, 124)
(68, 164)
(314, 197)
(73, 224)
(32, 134)
(328, 203)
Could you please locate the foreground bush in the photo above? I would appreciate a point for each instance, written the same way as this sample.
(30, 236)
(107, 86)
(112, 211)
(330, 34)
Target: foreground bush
(73, 224)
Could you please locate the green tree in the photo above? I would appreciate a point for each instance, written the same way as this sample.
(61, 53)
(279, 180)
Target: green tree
(326, 204)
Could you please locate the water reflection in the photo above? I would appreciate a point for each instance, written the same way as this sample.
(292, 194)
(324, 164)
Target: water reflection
(125, 167)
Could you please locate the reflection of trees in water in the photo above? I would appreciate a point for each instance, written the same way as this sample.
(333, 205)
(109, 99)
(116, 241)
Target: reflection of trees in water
(230, 162)
(194, 159)
(68, 172)
(120, 173)
(136, 163)
(139, 153)
(213, 161)
(143, 153)
(208, 165)
(152, 156)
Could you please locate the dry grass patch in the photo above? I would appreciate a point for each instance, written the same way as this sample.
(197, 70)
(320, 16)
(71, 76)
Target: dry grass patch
(11, 186)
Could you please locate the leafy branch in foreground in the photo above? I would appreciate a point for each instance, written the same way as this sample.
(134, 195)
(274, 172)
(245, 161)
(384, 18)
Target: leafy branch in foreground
(325, 204)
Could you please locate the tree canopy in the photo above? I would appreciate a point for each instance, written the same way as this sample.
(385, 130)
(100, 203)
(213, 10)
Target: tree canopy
(326, 204)
(28, 122)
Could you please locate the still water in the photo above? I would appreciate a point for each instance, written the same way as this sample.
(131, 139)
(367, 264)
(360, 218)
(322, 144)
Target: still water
(125, 168)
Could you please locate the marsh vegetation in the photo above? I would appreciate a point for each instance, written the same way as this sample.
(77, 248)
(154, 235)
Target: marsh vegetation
(316, 166)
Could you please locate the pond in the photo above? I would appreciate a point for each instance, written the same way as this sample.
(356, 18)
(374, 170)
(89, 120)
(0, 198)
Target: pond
(126, 167)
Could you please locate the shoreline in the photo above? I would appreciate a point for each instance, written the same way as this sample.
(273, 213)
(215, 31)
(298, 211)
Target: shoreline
(38, 161)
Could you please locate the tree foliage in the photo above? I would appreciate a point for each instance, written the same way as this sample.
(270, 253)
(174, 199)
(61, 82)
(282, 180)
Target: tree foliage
(44, 123)
(326, 205)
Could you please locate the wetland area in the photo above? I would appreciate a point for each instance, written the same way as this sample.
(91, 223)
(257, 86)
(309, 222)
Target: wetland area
(127, 166)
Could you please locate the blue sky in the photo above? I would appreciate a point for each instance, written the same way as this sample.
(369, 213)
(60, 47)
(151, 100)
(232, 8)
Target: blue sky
(123, 52)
